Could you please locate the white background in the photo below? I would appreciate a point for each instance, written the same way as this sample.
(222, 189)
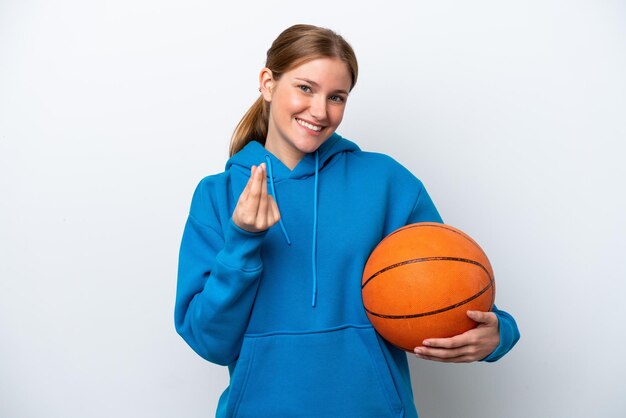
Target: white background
(512, 114)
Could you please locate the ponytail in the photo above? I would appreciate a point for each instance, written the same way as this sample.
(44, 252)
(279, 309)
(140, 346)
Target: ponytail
(253, 126)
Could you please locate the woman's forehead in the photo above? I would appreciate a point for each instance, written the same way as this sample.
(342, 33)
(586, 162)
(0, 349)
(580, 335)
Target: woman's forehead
(323, 70)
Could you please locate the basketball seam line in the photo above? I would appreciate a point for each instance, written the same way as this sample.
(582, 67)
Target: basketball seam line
(432, 225)
(447, 308)
(437, 225)
(420, 260)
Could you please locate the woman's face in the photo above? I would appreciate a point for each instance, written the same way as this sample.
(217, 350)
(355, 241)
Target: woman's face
(306, 107)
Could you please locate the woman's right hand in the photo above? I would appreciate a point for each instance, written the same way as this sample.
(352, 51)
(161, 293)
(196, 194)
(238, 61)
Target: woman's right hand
(256, 210)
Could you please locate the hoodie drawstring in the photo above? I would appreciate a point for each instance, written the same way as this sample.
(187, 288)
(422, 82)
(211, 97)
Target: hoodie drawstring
(314, 247)
(282, 225)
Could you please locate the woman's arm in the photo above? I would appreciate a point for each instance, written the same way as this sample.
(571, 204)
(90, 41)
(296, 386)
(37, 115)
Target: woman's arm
(218, 273)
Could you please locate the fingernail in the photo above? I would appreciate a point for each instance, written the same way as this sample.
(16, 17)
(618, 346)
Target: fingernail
(418, 350)
(426, 343)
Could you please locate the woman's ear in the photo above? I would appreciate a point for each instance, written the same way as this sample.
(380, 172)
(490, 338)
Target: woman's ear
(266, 83)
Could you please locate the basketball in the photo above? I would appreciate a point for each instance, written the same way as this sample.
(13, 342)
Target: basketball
(420, 281)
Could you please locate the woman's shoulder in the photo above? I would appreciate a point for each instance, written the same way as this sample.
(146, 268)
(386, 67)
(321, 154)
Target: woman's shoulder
(378, 158)
(383, 164)
(214, 180)
(212, 184)
(209, 195)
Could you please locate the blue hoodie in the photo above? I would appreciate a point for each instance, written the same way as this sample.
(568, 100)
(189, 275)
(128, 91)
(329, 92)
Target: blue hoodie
(282, 308)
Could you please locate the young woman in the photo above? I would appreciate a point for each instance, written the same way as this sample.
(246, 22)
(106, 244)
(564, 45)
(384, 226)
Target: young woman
(274, 248)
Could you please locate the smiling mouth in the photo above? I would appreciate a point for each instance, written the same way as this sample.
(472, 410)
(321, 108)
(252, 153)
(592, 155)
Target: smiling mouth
(308, 125)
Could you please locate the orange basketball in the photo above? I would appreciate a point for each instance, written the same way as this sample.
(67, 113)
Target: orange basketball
(420, 281)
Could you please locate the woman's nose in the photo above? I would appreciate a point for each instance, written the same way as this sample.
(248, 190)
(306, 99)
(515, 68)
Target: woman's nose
(318, 108)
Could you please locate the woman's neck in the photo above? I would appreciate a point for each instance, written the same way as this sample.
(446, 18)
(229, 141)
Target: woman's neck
(290, 157)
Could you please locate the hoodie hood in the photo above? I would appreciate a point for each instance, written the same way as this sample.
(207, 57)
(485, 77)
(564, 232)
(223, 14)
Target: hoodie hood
(254, 154)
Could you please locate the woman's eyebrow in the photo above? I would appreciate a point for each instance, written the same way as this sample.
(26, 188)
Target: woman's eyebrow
(317, 85)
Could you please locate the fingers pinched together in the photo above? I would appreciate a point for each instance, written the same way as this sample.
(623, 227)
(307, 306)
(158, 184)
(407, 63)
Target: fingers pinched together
(256, 210)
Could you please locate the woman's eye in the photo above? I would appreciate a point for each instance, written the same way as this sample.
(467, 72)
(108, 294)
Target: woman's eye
(337, 99)
(305, 89)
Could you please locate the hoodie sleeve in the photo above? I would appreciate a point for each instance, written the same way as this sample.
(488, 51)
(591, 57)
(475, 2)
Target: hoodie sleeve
(218, 275)
(425, 211)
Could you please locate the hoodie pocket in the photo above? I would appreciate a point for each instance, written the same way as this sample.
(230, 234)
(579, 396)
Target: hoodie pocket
(338, 373)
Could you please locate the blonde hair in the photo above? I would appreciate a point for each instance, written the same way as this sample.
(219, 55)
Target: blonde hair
(295, 46)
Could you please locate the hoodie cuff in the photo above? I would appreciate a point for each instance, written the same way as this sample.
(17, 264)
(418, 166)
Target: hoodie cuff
(242, 249)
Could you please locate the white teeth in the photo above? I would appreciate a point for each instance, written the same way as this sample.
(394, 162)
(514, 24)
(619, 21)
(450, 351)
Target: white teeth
(308, 125)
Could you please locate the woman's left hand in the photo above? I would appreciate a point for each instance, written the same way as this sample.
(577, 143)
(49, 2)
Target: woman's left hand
(473, 345)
